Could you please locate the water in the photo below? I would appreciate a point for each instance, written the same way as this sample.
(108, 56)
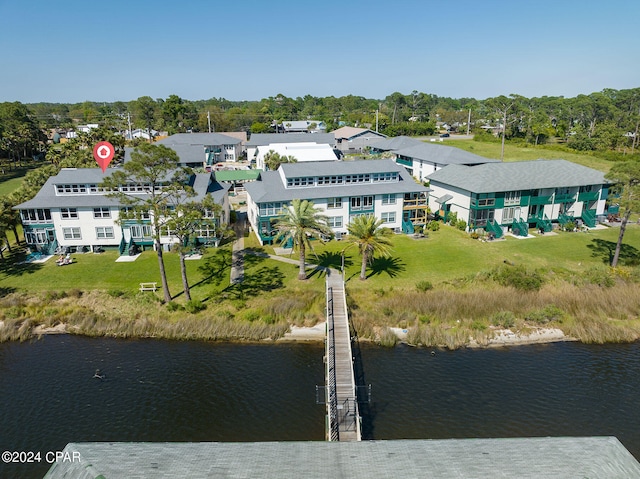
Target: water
(195, 391)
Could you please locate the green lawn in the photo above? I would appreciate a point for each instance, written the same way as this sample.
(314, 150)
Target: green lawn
(450, 254)
(530, 152)
(446, 255)
(11, 180)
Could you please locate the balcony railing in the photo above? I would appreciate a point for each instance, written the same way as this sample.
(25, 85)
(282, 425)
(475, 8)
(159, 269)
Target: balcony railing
(565, 198)
(588, 196)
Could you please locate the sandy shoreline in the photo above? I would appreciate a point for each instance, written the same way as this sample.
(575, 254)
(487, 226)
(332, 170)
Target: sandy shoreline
(502, 337)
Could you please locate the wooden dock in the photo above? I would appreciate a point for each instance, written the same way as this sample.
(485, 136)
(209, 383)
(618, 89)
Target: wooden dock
(343, 418)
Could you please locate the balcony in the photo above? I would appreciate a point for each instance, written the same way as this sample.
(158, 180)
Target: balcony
(540, 200)
(565, 198)
(588, 196)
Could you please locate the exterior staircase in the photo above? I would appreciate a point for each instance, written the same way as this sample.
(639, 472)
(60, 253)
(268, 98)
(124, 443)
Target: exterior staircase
(543, 222)
(493, 227)
(407, 227)
(520, 228)
(589, 218)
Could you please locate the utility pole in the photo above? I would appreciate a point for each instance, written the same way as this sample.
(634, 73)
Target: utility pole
(469, 122)
(209, 120)
(130, 131)
(377, 111)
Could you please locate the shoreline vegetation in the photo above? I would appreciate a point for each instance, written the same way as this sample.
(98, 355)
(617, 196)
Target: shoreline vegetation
(556, 312)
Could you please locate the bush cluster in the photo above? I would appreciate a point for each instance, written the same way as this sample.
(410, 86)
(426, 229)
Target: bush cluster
(518, 277)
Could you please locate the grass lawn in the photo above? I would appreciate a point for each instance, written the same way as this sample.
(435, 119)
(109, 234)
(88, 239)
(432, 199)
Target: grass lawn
(530, 152)
(450, 254)
(446, 255)
(11, 180)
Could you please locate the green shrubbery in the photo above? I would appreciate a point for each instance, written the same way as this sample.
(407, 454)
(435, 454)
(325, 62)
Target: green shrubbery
(545, 315)
(424, 285)
(518, 277)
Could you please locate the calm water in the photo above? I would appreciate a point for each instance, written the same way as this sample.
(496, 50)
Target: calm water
(192, 391)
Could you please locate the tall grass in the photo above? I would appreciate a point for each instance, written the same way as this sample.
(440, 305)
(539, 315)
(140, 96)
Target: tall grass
(100, 314)
(453, 317)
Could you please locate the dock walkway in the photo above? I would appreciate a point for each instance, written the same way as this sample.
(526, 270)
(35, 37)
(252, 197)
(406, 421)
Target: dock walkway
(342, 405)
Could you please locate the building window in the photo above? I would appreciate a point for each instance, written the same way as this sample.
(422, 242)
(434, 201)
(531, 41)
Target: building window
(70, 189)
(140, 231)
(39, 214)
(71, 233)
(361, 203)
(334, 203)
(271, 209)
(304, 181)
(486, 202)
(330, 180)
(101, 213)
(389, 199)
(382, 177)
(104, 232)
(508, 214)
(388, 217)
(334, 221)
(512, 198)
(69, 213)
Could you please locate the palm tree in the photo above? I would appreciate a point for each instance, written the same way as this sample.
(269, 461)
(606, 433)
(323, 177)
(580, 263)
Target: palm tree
(300, 221)
(371, 238)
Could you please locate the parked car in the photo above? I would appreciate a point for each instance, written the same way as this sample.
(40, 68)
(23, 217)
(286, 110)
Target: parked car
(445, 135)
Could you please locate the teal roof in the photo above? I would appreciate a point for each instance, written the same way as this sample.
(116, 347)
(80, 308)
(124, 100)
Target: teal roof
(237, 175)
(517, 176)
(523, 458)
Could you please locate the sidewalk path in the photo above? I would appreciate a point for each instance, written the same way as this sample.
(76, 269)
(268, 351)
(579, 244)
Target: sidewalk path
(237, 257)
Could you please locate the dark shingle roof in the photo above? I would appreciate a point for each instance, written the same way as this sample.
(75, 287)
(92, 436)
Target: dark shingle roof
(517, 176)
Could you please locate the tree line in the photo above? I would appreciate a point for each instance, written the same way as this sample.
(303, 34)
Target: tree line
(600, 121)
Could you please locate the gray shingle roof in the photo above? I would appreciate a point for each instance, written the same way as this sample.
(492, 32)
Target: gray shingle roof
(262, 139)
(199, 139)
(47, 198)
(523, 458)
(271, 188)
(442, 155)
(395, 143)
(517, 176)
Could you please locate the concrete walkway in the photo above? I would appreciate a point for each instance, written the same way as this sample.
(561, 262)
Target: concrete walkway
(237, 257)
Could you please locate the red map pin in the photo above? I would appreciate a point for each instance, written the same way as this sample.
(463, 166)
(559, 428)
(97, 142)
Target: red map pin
(103, 153)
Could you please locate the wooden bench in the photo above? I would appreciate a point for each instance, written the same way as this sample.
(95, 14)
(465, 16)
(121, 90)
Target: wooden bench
(148, 286)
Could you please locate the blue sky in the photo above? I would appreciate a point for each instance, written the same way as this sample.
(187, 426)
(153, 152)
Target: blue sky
(72, 51)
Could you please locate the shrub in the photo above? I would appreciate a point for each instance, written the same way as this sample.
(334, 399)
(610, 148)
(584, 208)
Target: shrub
(474, 235)
(570, 226)
(194, 306)
(173, 306)
(600, 277)
(518, 277)
(116, 293)
(504, 319)
(478, 325)
(545, 315)
(251, 315)
(461, 225)
(423, 286)
(452, 218)
(433, 226)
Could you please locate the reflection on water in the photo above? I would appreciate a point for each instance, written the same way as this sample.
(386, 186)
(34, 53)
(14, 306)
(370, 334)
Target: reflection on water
(196, 391)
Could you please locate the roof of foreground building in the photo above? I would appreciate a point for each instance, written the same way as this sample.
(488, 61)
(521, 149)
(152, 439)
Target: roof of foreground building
(558, 458)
